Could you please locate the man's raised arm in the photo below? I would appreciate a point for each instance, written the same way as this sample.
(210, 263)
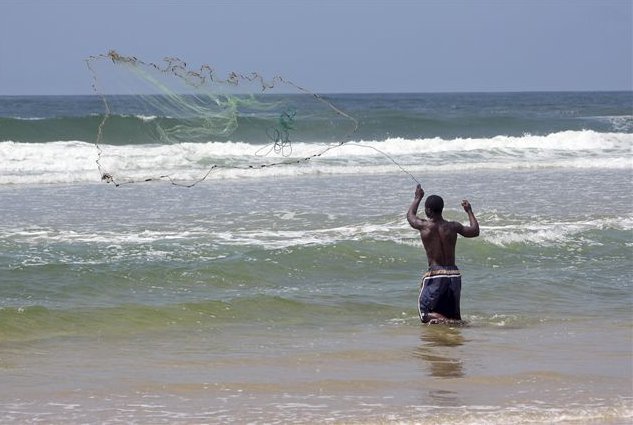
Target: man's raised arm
(412, 218)
(472, 230)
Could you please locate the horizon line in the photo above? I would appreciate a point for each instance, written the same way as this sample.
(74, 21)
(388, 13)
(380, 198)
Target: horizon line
(328, 93)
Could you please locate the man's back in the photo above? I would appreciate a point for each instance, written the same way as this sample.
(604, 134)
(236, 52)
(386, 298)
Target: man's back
(439, 238)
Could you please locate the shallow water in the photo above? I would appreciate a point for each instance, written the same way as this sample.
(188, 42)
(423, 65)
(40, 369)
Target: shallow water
(205, 305)
(288, 295)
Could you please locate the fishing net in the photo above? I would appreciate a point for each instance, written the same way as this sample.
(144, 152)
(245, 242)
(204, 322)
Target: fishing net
(168, 121)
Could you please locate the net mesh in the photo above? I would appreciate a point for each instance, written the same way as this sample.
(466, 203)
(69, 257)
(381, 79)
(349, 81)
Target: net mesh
(273, 121)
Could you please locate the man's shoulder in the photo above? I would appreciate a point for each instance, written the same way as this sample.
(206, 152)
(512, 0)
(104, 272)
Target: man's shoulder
(452, 226)
(423, 223)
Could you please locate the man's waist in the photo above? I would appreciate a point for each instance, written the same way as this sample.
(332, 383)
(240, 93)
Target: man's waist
(442, 271)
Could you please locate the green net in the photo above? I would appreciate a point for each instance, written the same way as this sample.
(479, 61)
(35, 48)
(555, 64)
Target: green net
(265, 122)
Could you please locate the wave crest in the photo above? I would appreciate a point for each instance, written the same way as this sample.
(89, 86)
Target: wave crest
(74, 161)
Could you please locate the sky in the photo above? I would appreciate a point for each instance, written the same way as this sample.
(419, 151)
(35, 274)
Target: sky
(330, 46)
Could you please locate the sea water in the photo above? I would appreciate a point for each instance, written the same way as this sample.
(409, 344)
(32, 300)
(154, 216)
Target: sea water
(288, 294)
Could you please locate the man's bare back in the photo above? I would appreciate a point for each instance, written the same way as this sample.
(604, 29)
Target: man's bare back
(439, 236)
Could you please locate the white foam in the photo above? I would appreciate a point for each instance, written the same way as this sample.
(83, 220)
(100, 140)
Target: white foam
(543, 233)
(623, 123)
(146, 118)
(550, 233)
(585, 140)
(257, 236)
(75, 161)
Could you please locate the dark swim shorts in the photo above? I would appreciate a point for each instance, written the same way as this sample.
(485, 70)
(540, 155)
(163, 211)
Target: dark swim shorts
(439, 293)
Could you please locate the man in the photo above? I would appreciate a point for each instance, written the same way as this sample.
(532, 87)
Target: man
(442, 283)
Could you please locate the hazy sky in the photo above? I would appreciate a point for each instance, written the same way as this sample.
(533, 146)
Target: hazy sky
(330, 46)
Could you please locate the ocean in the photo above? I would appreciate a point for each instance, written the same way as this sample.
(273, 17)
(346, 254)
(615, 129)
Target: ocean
(282, 291)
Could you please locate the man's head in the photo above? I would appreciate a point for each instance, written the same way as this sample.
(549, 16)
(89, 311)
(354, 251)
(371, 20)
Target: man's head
(433, 206)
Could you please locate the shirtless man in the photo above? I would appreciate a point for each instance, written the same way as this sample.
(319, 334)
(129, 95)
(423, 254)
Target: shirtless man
(442, 283)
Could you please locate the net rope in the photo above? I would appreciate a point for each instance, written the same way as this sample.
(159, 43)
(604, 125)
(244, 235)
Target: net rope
(201, 121)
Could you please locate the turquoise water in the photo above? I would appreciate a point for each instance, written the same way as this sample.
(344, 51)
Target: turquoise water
(289, 294)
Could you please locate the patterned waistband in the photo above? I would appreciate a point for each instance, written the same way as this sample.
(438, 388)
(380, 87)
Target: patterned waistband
(442, 271)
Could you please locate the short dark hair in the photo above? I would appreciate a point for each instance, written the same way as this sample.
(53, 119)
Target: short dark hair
(435, 204)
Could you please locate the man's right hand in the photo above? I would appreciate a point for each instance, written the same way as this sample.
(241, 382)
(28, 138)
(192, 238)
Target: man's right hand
(419, 192)
(466, 206)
